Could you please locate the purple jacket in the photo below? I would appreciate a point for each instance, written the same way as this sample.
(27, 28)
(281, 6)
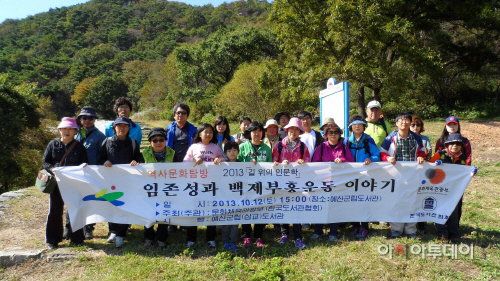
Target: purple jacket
(341, 151)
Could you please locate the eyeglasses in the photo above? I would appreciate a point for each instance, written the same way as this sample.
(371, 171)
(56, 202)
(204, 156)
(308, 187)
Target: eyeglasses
(181, 113)
(123, 107)
(158, 140)
(416, 125)
(85, 118)
(333, 133)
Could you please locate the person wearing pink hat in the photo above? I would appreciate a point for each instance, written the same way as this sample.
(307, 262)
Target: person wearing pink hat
(52, 157)
(291, 149)
(452, 125)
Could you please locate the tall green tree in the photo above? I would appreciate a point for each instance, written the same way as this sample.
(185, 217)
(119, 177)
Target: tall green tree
(374, 43)
(18, 112)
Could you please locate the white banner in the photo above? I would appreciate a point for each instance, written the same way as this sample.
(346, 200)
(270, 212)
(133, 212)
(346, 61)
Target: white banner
(241, 193)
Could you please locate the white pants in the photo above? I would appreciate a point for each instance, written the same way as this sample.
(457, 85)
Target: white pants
(401, 227)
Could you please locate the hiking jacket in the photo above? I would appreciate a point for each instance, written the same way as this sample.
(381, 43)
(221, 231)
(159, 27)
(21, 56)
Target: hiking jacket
(92, 141)
(389, 147)
(291, 156)
(119, 151)
(149, 156)
(329, 154)
(358, 149)
(55, 151)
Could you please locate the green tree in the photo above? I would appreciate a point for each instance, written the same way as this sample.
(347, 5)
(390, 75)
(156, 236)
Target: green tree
(104, 92)
(18, 111)
(376, 44)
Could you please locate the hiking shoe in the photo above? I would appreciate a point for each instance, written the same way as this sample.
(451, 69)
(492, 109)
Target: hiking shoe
(119, 242)
(227, 246)
(283, 239)
(211, 244)
(315, 237)
(260, 243)
(89, 235)
(234, 247)
(66, 234)
(190, 244)
(299, 244)
(355, 231)
(148, 243)
(413, 235)
(112, 238)
(247, 242)
(162, 245)
(362, 233)
(52, 246)
(395, 234)
(333, 238)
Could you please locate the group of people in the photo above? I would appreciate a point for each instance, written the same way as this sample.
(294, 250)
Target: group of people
(282, 140)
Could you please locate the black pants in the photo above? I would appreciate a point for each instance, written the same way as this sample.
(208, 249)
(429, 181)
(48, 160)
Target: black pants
(119, 229)
(192, 233)
(450, 229)
(54, 227)
(161, 233)
(297, 230)
(258, 230)
(334, 228)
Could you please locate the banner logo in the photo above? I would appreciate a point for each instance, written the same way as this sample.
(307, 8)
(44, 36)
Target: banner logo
(103, 196)
(430, 203)
(435, 176)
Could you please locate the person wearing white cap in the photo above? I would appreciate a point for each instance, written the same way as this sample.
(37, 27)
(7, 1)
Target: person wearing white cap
(376, 126)
(54, 153)
(272, 137)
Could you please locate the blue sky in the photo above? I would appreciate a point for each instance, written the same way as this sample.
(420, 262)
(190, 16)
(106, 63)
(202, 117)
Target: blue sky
(20, 9)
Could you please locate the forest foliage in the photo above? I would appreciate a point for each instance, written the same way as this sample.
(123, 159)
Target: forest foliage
(250, 57)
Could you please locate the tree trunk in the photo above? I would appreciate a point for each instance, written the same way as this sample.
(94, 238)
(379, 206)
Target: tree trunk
(361, 102)
(376, 94)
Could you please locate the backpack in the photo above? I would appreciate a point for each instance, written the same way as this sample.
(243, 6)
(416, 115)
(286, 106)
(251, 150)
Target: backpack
(366, 146)
(302, 145)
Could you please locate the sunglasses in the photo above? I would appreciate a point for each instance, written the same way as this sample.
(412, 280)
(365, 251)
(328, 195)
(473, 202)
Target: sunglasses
(158, 140)
(454, 143)
(416, 125)
(85, 118)
(333, 133)
(181, 113)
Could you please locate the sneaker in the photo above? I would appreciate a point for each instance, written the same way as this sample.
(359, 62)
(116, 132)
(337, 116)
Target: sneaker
(119, 242)
(413, 235)
(89, 235)
(315, 237)
(211, 244)
(227, 246)
(162, 245)
(299, 244)
(283, 239)
(52, 246)
(395, 234)
(260, 243)
(190, 244)
(66, 234)
(112, 238)
(333, 238)
(362, 233)
(247, 242)
(355, 231)
(148, 243)
(234, 247)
